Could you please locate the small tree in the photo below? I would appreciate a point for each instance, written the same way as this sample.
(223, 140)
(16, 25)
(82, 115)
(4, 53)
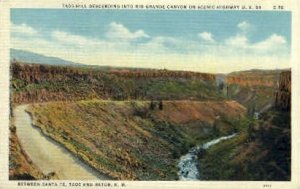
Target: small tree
(160, 105)
(215, 128)
(227, 92)
(221, 86)
(152, 105)
(251, 132)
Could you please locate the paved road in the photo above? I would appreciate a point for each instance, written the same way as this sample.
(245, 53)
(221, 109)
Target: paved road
(47, 154)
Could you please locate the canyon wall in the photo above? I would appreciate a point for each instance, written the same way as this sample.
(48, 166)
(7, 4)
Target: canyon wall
(37, 72)
(283, 95)
(43, 83)
(254, 89)
(254, 78)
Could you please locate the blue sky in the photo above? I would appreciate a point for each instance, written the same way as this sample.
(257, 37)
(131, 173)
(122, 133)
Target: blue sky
(208, 41)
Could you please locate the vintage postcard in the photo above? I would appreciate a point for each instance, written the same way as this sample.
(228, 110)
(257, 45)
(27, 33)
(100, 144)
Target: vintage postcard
(180, 94)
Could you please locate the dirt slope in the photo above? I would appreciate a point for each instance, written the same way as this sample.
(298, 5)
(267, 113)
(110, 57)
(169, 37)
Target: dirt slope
(126, 139)
(181, 112)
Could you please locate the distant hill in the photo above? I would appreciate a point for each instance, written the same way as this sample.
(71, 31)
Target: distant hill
(34, 58)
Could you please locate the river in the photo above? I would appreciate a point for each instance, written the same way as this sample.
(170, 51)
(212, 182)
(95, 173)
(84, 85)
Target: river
(49, 155)
(189, 164)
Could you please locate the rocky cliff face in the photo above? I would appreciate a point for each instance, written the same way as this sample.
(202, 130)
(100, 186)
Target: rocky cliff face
(164, 74)
(260, 89)
(38, 73)
(254, 89)
(43, 83)
(253, 78)
(283, 95)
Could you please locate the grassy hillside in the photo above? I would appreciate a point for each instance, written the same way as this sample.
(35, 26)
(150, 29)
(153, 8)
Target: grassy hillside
(260, 152)
(127, 139)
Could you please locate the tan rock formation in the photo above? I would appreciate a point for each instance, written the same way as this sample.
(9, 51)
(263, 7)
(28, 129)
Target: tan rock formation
(283, 95)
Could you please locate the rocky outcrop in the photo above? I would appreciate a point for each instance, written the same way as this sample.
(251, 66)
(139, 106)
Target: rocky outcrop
(250, 81)
(283, 95)
(164, 74)
(37, 73)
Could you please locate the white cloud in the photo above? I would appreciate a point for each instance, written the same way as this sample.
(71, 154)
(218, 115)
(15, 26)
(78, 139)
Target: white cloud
(160, 45)
(239, 41)
(274, 42)
(23, 29)
(67, 38)
(274, 45)
(244, 26)
(206, 36)
(118, 31)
